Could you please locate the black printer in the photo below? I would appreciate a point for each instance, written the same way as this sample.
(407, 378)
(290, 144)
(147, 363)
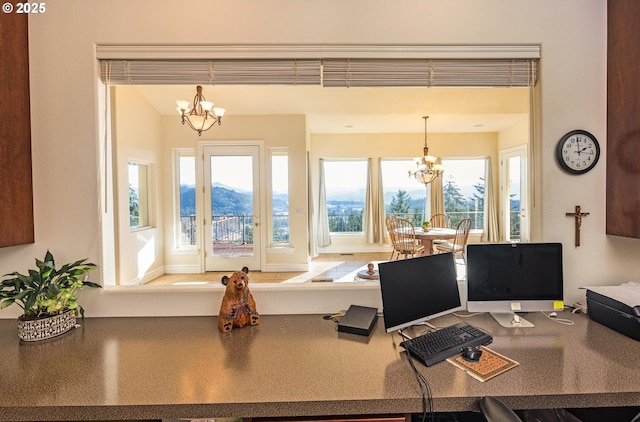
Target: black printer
(617, 307)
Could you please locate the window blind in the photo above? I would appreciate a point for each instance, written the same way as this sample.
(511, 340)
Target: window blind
(429, 73)
(329, 66)
(211, 72)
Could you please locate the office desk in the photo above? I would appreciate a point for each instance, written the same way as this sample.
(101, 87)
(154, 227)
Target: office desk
(296, 365)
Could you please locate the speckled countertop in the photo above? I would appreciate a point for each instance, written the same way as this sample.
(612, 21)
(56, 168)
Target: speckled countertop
(296, 365)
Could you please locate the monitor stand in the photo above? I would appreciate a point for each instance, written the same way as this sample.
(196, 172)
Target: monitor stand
(511, 320)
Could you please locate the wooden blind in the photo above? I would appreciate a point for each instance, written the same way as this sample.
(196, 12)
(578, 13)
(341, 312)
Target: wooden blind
(211, 72)
(429, 73)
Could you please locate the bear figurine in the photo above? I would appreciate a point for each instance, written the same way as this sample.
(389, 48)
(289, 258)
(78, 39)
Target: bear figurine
(238, 307)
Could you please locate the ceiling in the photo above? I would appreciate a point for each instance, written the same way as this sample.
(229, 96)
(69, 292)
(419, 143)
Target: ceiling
(363, 110)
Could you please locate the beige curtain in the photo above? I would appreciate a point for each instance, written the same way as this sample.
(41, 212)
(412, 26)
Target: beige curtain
(491, 231)
(368, 218)
(313, 247)
(373, 218)
(437, 197)
(324, 238)
(381, 213)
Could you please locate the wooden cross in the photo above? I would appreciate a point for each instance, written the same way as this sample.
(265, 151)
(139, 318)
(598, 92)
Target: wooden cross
(578, 216)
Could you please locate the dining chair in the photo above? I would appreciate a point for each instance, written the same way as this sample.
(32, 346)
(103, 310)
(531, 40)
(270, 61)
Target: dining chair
(388, 221)
(459, 244)
(405, 241)
(441, 220)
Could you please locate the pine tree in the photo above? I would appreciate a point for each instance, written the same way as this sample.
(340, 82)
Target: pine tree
(400, 204)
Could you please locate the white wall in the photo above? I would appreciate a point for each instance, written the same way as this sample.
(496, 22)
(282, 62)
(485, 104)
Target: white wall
(66, 136)
(138, 137)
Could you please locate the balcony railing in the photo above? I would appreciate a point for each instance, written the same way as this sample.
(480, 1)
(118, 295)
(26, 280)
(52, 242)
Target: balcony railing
(233, 229)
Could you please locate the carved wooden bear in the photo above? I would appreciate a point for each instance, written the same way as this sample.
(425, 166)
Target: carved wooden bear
(238, 307)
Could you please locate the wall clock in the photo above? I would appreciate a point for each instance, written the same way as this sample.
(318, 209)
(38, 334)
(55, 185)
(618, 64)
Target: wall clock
(578, 152)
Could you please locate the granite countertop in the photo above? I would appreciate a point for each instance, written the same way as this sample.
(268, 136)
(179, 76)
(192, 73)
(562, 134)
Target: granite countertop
(296, 365)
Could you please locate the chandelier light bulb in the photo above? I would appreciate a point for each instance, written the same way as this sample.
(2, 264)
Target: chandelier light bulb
(199, 116)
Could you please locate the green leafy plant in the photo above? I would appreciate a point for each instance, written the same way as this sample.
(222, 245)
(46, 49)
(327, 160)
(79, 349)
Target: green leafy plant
(46, 291)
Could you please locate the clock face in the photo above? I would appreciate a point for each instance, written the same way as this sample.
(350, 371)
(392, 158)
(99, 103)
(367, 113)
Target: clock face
(578, 152)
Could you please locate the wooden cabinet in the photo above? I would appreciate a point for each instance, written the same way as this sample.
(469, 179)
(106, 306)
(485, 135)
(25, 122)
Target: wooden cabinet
(16, 187)
(623, 118)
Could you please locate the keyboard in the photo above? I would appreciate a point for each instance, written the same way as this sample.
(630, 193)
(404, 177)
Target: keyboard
(436, 346)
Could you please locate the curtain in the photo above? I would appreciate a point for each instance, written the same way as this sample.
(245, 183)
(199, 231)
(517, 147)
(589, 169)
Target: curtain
(373, 218)
(368, 219)
(437, 198)
(313, 247)
(381, 213)
(491, 231)
(324, 238)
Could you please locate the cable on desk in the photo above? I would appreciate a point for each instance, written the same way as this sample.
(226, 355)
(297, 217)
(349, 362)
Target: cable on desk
(459, 315)
(425, 389)
(562, 321)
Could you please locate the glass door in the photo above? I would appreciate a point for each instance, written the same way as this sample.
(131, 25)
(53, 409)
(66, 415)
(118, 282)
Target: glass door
(513, 180)
(232, 207)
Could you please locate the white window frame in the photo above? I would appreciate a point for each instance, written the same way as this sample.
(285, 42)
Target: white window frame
(177, 229)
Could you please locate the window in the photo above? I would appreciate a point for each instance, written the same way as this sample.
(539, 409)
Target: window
(345, 185)
(186, 199)
(279, 197)
(464, 190)
(138, 195)
(404, 196)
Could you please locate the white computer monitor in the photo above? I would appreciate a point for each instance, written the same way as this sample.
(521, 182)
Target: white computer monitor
(507, 278)
(415, 290)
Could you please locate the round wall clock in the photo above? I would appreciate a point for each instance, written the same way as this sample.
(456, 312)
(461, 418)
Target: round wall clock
(578, 152)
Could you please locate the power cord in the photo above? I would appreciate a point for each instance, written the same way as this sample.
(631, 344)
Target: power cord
(554, 317)
(579, 307)
(425, 390)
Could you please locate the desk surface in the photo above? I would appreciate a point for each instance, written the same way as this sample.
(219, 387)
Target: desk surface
(296, 365)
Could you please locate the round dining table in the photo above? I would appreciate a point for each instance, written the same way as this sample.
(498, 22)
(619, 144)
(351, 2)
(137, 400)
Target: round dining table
(435, 233)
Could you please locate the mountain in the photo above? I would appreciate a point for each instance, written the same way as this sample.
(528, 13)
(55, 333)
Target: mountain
(227, 201)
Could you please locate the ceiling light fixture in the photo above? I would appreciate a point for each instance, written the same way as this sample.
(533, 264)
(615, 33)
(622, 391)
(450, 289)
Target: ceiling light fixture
(201, 115)
(426, 169)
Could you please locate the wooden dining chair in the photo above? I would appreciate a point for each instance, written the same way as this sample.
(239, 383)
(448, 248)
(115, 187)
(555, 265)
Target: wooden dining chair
(405, 242)
(388, 221)
(441, 220)
(459, 244)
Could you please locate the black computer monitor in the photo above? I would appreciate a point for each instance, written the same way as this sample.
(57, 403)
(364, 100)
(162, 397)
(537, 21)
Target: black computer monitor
(505, 278)
(418, 289)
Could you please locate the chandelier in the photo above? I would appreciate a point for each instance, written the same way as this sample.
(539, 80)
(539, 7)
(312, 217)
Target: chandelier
(426, 169)
(199, 115)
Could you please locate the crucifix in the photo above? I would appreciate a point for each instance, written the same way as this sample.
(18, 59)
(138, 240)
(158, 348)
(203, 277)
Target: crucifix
(578, 216)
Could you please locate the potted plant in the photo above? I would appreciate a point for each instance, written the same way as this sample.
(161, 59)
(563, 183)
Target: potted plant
(426, 226)
(48, 297)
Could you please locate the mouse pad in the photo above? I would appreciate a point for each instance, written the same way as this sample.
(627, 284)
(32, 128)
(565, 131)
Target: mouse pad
(490, 364)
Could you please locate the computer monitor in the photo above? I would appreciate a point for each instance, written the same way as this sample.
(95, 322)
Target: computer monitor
(418, 289)
(505, 278)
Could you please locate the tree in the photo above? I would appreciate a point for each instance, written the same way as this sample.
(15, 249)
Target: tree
(133, 207)
(454, 203)
(400, 203)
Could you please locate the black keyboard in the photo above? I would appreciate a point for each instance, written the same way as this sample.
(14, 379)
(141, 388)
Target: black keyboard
(436, 346)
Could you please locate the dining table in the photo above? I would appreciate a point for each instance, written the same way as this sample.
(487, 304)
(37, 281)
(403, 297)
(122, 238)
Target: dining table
(435, 233)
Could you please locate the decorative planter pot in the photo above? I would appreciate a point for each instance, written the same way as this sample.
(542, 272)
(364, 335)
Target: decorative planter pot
(45, 328)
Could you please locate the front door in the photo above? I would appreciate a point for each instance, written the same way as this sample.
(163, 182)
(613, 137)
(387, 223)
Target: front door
(232, 207)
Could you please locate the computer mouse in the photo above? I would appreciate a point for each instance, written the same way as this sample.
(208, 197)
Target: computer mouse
(471, 354)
